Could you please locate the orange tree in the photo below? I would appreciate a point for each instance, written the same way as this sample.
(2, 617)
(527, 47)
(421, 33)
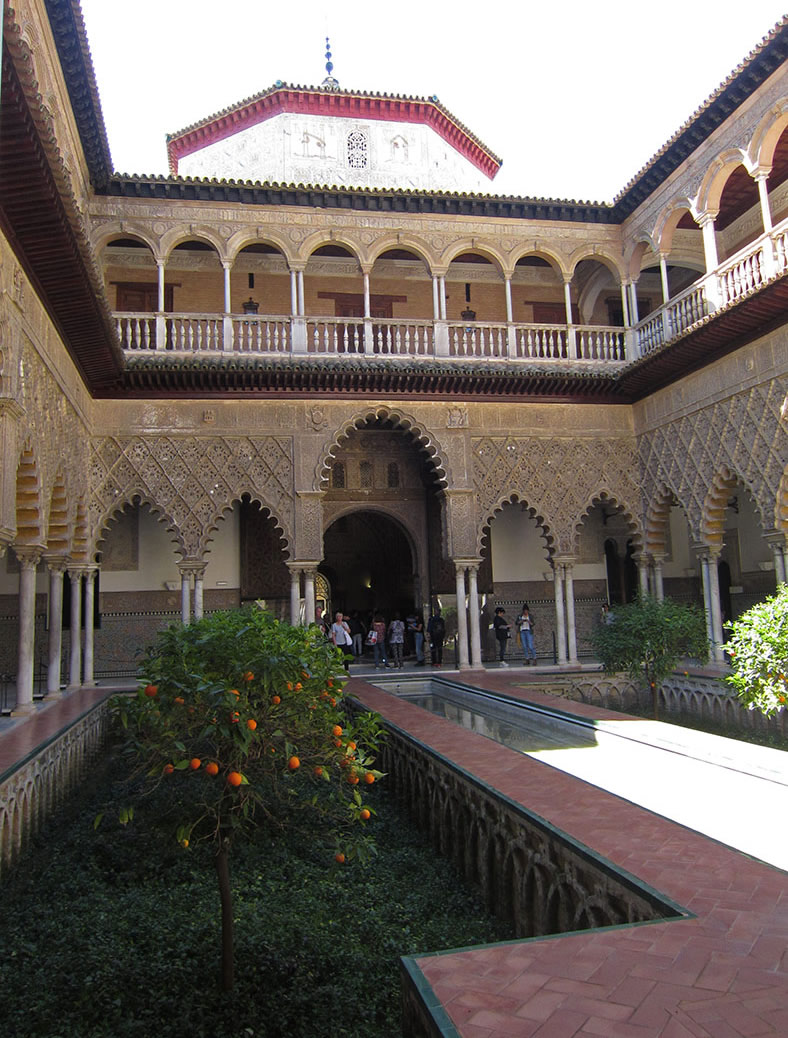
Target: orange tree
(758, 649)
(239, 711)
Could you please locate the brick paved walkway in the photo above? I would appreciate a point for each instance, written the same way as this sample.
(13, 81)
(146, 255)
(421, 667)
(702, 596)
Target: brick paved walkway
(719, 975)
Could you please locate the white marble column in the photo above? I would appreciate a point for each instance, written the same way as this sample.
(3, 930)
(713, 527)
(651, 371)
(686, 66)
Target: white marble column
(57, 567)
(226, 268)
(462, 617)
(716, 612)
(659, 587)
(186, 579)
(87, 656)
(367, 308)
(28, 562)
(442, 296)
(507, 287)
(571, 630)
(625, 304)
(568, 300)
(709, 241)
(199, 589)
(301, 303)
(560, 621)
(663, 274)
(160, 269)
(642, 575)
(778, 552)
(293, 294)
(633, 302)
(761, 179)
(295, 595)
(704, 572)
(436, 305)
(476, 632)
(75, 631)
(309, 596)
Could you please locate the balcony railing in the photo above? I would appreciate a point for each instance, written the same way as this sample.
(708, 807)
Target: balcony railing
(594, 347)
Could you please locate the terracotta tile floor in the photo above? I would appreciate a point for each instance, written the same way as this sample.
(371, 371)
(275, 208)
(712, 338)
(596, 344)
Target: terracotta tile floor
(722, 974)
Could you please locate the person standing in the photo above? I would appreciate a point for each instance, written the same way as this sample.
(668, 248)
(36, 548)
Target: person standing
(525, 625)
(378, 628)
(340, 636)
(357, 632)
(397, 639)
(418, 639)
(436, 629)
(501, 628)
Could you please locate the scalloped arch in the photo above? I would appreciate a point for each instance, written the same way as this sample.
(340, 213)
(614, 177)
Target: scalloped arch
(383, 412)
(515, 498)
(60, 525)
(658, 518)
(723, 482)
(133, 496)
(29, 510)
(226, 507)
(603, 496)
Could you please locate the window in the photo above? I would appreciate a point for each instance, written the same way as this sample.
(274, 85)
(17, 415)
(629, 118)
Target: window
(367, 475)
(338, 475)
(357, 149)
(393, 475)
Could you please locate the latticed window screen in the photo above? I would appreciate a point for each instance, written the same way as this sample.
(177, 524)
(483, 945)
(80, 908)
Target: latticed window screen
(338, 475)
(393, 474)
(357, 149)
(367, 475)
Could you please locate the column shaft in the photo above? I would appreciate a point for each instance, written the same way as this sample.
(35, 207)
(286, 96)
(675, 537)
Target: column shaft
(87, 658)
(570, 613)
(560, 621)
(462, 619)
(185, 596)
(295, 596)
(476, 634)
(507, 286)
(716, 612)
(27, 632)
(55, 642)
(75, 658)
(199, 586)
(309, 596)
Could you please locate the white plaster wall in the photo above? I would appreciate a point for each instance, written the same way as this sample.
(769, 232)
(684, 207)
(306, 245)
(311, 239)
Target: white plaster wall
(224, 556)
(518, 549)
(680, 558)
(300, 149)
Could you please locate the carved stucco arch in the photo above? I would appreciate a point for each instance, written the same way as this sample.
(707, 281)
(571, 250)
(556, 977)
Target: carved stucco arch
(255, 498)
(30, 513)
(398, 240)
(248, 236)
(421, 436)
(555, 259)
(514, 498)
(599, 254)
(767, 135)
(604, 496)
(716, 177)
(330, 236)
(106, 233)
(135, 496)
(723, 483)
(183, 232)
(658, 519)
(60, 522)
(483, 248)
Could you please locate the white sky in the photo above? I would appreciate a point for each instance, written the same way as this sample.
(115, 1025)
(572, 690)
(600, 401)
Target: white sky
(575, 96)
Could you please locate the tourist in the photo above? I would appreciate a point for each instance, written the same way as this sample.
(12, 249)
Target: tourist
(436, 629)
(525, 625)
(340, 636)
(397, 639)
(377, 639)
(501, 628)
(418, 639)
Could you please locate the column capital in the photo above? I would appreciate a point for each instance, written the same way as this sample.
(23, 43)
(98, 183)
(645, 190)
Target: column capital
(55, 563)
(707, 217)
(29, 555)
(192, 566)
(297, 266)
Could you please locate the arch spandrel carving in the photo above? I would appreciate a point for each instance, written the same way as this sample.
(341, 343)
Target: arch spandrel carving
(742, 434)
(558, 477)
(193, 479)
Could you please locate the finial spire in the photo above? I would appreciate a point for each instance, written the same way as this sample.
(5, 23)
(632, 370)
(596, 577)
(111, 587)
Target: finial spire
(329, 82)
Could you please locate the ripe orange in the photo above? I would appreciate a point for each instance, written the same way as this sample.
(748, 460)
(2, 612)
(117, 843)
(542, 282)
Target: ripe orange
(235, 717)
(351, 745)
(212, 768)
(184, 844)
(369, 778)
(318, 771)
(290, 686)
(251, 724)
(340, 858)
(179, 699)
(276, 700)
(304, 674)
(294, 763)
(194, 763)
(151, 691)
(248, 676)
(168, 769)
(337, 730)
(353, 780)
(233, 692)
(235, 778)
(298, 686)
(332, 701)
(330, 683)
(365, 814)
(337, 743)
